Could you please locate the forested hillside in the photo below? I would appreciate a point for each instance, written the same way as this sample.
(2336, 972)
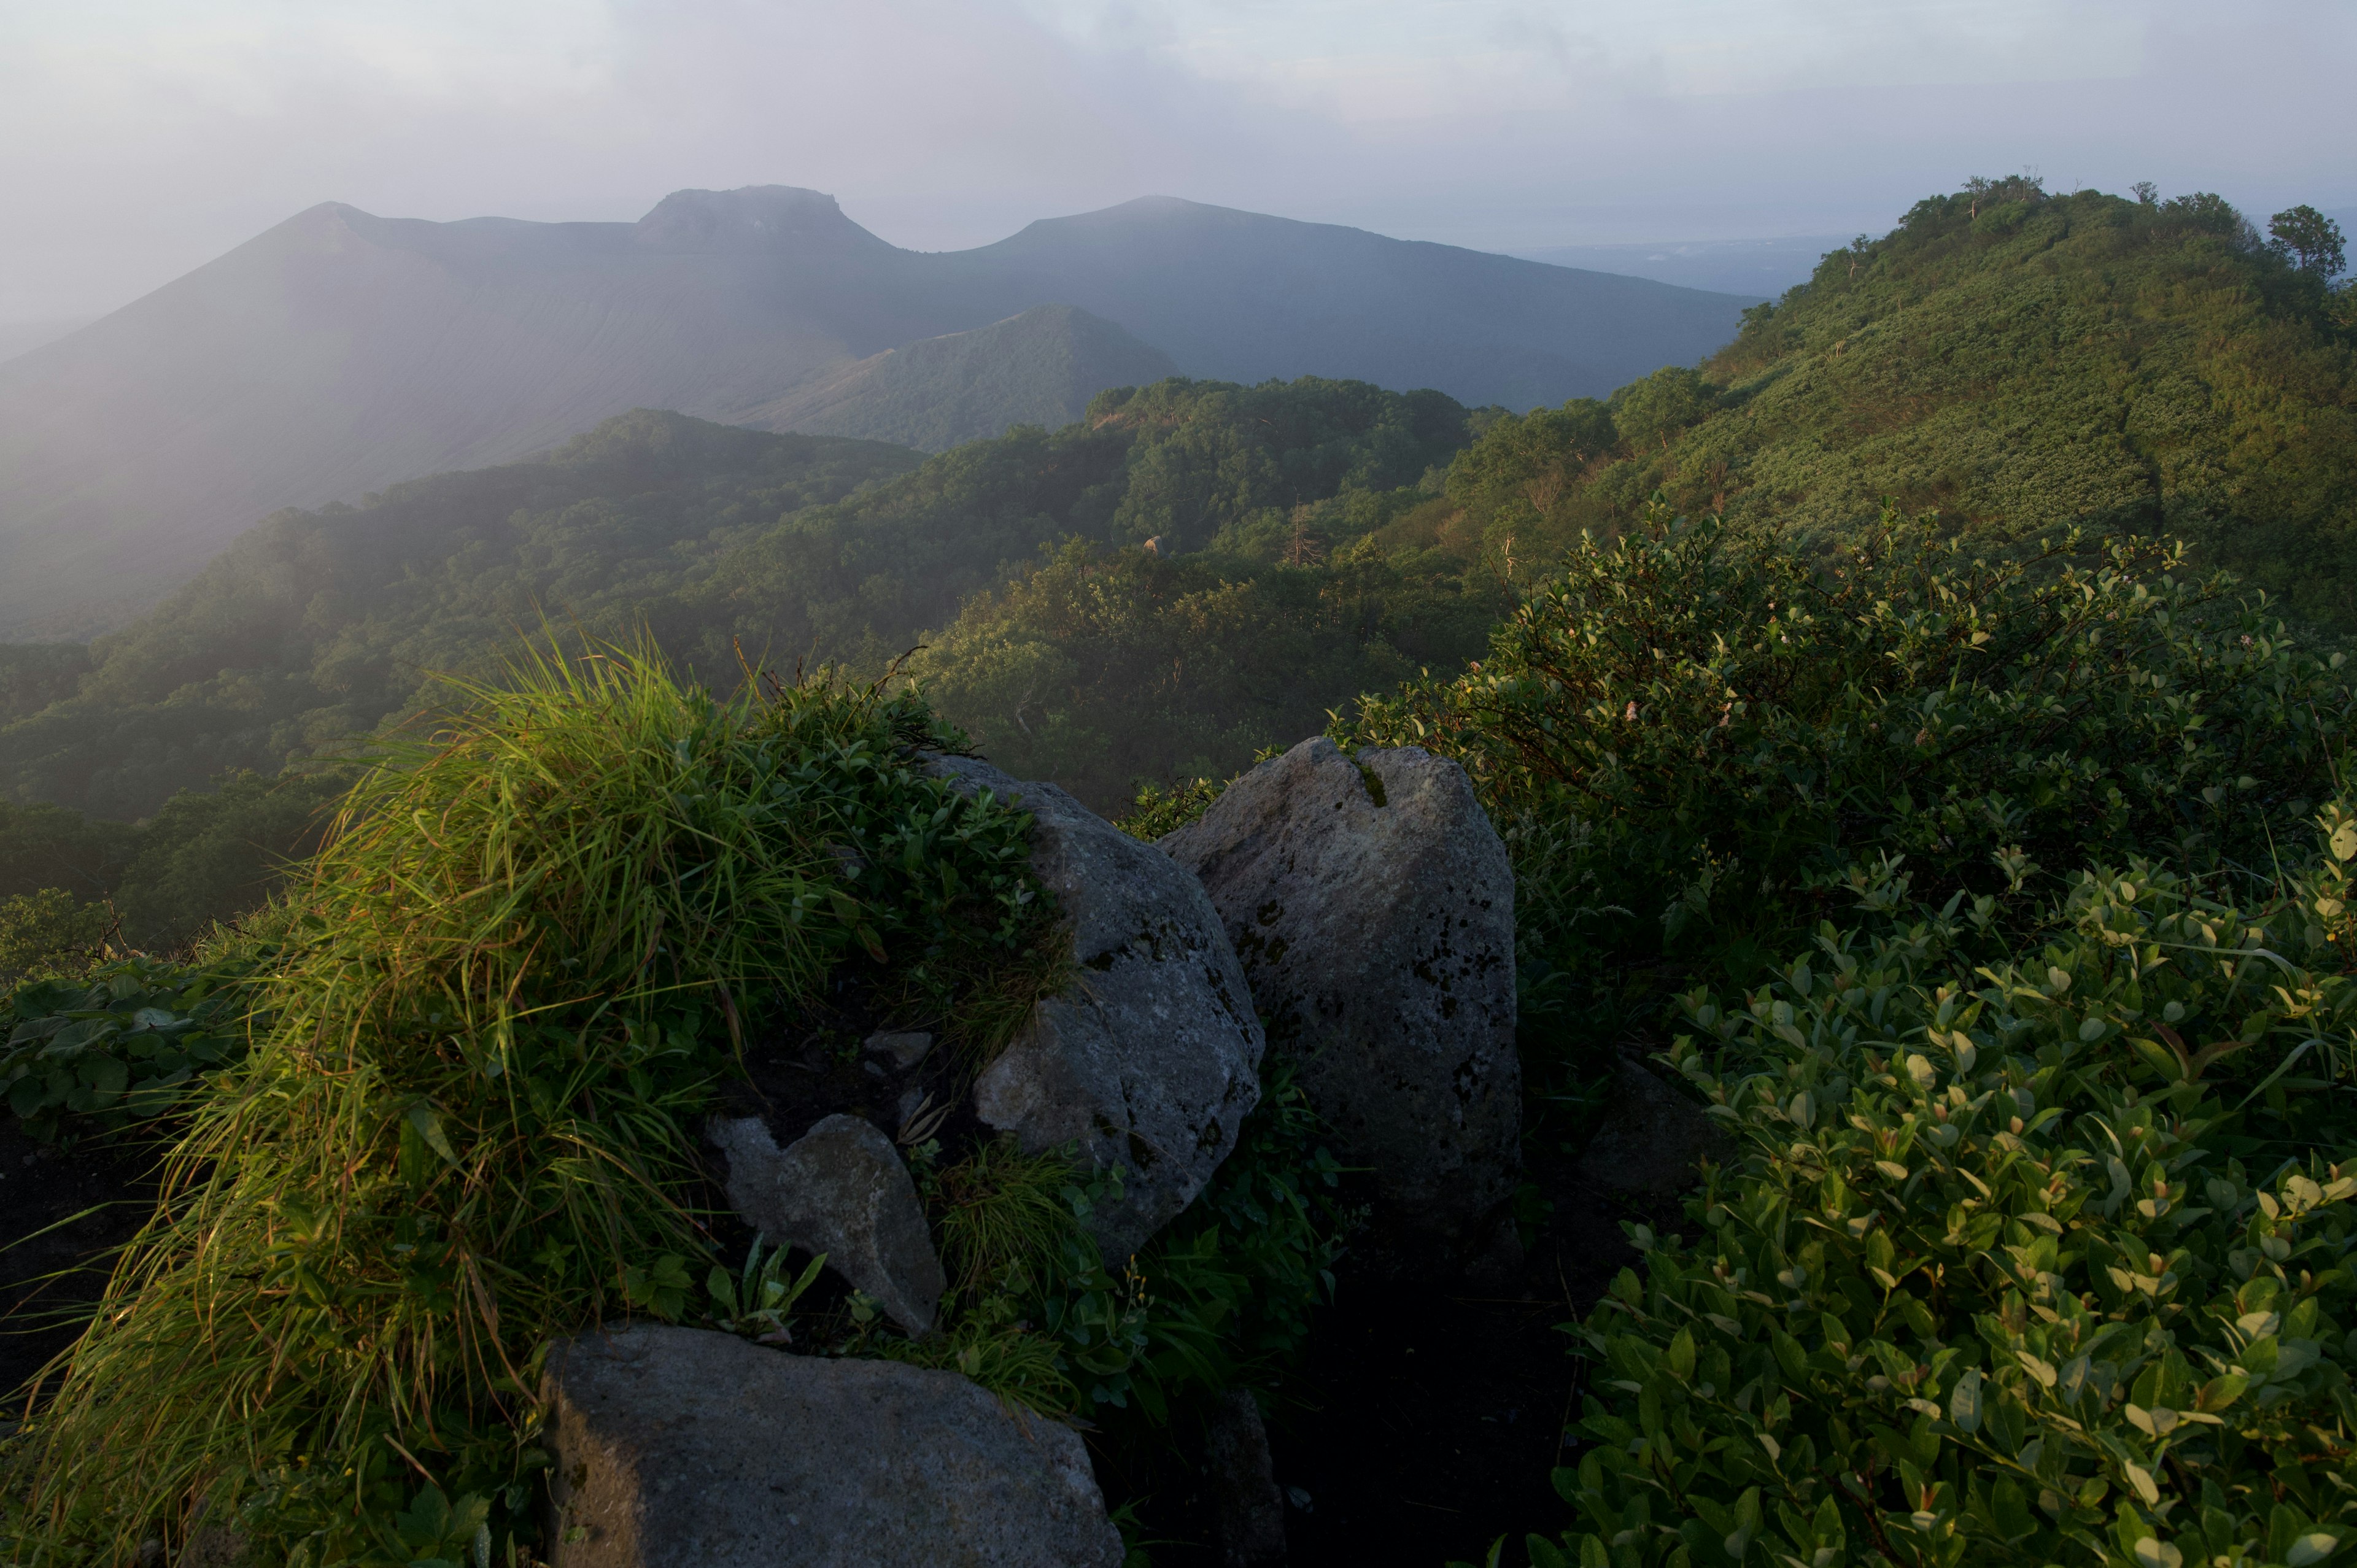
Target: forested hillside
(315, 626)
(2013, 359)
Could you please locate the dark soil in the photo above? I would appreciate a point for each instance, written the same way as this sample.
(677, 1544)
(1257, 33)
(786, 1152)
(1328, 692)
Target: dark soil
(822, 1069)
(1430, 1418)
(62, 1214)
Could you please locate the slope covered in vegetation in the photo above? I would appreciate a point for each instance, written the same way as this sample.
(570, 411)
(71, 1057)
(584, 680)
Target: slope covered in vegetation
(1997, 907)
(318, 625)
(2018, 361)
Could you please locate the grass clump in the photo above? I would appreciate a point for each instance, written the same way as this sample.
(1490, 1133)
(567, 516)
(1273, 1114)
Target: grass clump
(464, 1126)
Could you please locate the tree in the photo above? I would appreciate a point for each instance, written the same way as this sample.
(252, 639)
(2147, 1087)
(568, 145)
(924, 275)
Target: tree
(2310, 241)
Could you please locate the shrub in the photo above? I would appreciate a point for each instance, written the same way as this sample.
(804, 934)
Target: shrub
(1729, 728)
(121, 1044)
(2029, 1250)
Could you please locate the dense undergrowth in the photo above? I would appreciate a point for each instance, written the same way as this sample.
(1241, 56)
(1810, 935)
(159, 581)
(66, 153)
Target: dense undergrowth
(2027, 871)
(2035, 1252)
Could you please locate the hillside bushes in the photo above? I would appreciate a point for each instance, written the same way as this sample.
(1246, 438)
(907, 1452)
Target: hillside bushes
(2027, 1252)
(1700, 740)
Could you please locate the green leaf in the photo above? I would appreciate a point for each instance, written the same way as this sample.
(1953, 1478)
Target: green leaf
(428, 1124)
(1679, 1358)
(1964, 1401)
(2313, 1547)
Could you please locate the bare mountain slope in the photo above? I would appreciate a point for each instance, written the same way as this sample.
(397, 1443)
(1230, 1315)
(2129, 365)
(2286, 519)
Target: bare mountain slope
(340, 352)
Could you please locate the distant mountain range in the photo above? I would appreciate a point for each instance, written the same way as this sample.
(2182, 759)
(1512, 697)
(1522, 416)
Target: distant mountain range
(340, 352)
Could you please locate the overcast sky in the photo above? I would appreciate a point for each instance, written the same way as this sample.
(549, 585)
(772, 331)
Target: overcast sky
(138, 138)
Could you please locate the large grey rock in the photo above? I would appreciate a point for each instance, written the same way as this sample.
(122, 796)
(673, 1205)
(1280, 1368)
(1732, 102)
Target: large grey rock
(1651, 1137)
(1151, 1059)
(1371, 905)
(840, 1189)
(677, 1448)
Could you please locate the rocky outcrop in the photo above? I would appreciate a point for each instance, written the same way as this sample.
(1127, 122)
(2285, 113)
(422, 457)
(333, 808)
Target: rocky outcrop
(677, 1448)
(1651, 1139)
(840, 1189)
(1247, 1510)
(1151, 1059)
(1371, 905)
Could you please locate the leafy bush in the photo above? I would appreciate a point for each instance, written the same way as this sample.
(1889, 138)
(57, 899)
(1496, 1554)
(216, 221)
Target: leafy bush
(1720, 718)
(465, 1129)
(124, 1042)
(2038, 1255)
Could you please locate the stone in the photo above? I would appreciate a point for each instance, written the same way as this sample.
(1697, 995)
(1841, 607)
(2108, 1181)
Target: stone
(1151, 1059)
(1651, 1138)
(681, 1448)
(1371, 905)
(1248, 1511)
(904, 1048)
(840, 1189)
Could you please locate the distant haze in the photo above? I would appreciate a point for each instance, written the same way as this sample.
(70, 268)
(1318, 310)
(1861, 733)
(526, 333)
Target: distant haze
(1766, 267)
(340, 351)
(140, 138)
(23, 336)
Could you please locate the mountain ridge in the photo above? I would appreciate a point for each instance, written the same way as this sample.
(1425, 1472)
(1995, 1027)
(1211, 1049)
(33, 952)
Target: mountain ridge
(338, 351)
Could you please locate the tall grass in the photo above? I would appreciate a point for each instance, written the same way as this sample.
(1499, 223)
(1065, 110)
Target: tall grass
(526, 950)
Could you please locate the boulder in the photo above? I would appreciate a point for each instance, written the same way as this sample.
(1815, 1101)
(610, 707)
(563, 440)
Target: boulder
(1248, 1511)
(1151, 1059)
(1651, 1139)
(679, 1449)
(904, 1048)
(1371, 905)
(840, 1189)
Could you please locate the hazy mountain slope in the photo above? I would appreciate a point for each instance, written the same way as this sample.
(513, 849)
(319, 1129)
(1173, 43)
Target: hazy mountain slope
(1039, 368)
(317, 625)
(1246, 297)
(23, 337)
(340, 352)
(1760, 268)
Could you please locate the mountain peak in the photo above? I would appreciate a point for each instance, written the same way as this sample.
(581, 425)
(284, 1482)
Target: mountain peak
(751, 217)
